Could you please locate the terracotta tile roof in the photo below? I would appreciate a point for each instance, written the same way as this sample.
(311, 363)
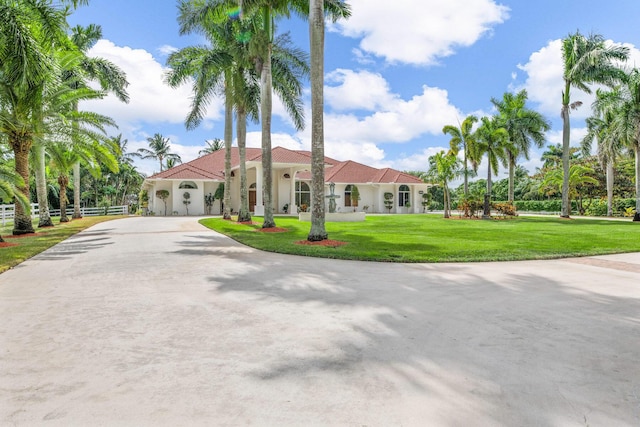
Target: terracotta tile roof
(388, 175)
(211, 166)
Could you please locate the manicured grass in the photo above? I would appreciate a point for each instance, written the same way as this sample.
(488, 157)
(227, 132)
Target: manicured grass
(30, 245)
(431, 238)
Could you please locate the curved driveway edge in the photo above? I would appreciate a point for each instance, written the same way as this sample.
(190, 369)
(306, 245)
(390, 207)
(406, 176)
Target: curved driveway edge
(160, 321)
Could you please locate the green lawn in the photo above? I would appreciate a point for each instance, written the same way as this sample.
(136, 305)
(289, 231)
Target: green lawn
(24, 247)
(431, 238)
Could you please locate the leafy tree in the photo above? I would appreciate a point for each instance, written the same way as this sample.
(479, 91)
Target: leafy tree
(622, 106)
(463, 138)
(30, 33)
(586, 60)
(9, 183)
(578, 175)
(212, 145)
(159, 149)
(524, 126)
(443, 168)
(110, 77)
(493, 140)
(163, 195)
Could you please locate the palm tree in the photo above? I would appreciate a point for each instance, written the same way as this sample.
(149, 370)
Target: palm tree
(463, 138)
(212, 145)
(110, 77)
(159, 149)
(30, 32)
(263, 44)
(552, 157)
(524, 126)
(444, 167)
(586, 60)
(211, 68)
(599, 128)
(493, 140)
(578, 176)
(9, 183)
(239, 41)
(622, 106)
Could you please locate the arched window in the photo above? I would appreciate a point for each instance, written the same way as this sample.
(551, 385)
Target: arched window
(303, 194)
(347, 195)
(403, 195)
(188, 184)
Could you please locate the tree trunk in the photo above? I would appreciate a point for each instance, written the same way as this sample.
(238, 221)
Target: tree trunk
(76, 191)
(243, 214)
(63, 181)
(447, 203)
(636, 150)
(265, 113)
(228, 139)
(566, 132)
(41, 187)
(610, 178)
(512, 178)
(316, 37)
(466, 173)
(487, 197)
(22, 220)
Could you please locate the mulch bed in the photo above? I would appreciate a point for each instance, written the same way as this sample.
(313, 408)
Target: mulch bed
(7, 244)
(327, 243)
(11, 236)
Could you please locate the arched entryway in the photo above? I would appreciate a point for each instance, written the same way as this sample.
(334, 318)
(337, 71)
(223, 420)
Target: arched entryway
(252, 197)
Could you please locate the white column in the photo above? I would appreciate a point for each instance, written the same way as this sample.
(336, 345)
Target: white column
(293, 209)
(259, 208)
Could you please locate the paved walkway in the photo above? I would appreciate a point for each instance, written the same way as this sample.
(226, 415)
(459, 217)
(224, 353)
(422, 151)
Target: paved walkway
(159, 321)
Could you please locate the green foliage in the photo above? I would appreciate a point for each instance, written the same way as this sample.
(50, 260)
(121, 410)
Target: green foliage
(506, 209)
(388, 201)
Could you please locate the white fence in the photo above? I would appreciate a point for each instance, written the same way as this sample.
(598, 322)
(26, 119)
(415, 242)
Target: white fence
(7, 211)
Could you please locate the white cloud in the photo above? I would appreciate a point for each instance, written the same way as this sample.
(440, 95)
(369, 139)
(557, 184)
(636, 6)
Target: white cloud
(419, 31)
(361, 90)
(167, 50)
(393, 120)
(577, 134)
(151, 100)
(418, 161)
(545, 82)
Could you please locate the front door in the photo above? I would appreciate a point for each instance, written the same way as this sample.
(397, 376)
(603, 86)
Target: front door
(252, 200)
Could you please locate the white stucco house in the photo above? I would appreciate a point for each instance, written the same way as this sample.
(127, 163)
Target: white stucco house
(291, 184)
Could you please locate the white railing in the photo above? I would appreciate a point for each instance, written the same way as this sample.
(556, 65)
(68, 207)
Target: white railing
(7, 211)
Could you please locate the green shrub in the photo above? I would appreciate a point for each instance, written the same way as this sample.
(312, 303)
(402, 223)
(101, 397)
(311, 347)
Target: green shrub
(506, 209)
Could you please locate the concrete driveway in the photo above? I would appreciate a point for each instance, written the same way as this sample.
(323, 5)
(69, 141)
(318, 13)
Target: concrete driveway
(159, 321)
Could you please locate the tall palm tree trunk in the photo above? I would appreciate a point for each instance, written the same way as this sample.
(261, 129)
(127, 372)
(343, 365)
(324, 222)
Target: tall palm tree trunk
(566, 134)
(228, 140)
(63, 182)
(466, 174)
(636, 149)
(610, 179)
(512, 178)
(487, 197)
(447, 203)
(21, 145)
(265, 113)
(243, 213)
(76, 191)
(316, 35)
(41, 187)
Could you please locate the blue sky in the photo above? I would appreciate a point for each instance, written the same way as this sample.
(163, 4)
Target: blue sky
(394, 76)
